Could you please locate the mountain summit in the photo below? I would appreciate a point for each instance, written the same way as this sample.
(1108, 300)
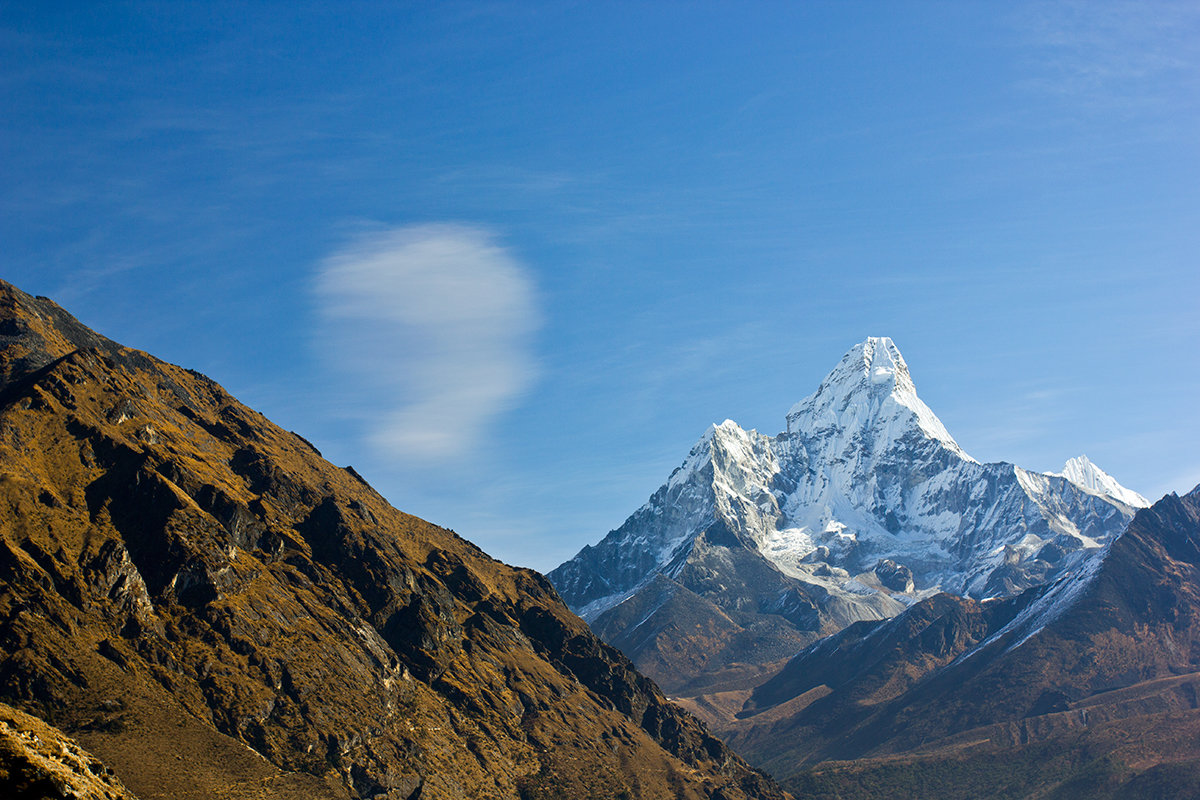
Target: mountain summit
(1083, 473)
(864, 505)
(869, 393)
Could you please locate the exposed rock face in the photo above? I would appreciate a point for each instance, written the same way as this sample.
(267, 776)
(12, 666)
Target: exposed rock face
(785, 535)
(896, 577)
(214, 610)
(1088, 687)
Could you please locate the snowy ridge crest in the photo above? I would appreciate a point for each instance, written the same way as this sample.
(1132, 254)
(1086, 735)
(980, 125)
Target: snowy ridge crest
(1087, 476)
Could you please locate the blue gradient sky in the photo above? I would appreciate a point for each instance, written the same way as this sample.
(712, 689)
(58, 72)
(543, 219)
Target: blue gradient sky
(510, 259)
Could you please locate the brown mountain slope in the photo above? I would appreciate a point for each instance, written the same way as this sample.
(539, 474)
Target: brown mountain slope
(1087, 688)
(38, 762)
(215, 611)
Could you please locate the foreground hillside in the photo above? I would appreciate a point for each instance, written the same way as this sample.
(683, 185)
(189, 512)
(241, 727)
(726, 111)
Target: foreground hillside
(1087, 688)
(202, 602)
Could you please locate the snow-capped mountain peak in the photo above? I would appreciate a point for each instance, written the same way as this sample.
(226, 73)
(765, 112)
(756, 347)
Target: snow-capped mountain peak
(870, 392)
(863, 504)
(726, 437)
(1087, 476)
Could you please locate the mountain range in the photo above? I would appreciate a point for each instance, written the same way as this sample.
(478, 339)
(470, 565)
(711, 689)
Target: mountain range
(195, 604)
(968, 630)
(865, 504)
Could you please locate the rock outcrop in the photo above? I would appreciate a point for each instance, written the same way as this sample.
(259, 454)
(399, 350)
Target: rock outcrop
(40, 762)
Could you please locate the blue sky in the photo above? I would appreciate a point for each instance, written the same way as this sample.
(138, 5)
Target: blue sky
(510, 259)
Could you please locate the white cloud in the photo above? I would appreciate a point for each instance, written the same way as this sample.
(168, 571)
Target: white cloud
(432, 328)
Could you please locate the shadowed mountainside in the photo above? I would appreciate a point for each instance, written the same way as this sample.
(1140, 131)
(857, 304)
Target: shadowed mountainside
(212, 609)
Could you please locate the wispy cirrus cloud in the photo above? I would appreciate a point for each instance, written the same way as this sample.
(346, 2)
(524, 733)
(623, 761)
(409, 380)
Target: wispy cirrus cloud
(1116, 52)
(432, 328)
